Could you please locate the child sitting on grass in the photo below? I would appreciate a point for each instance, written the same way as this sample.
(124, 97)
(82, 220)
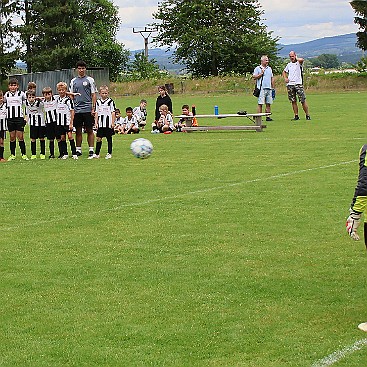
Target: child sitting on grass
(130, 123)
(165, 122)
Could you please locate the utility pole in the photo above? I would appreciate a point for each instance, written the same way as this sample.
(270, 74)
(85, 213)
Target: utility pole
(148, 31)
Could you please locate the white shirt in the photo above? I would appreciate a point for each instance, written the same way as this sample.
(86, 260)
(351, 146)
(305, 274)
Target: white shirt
(293, 69)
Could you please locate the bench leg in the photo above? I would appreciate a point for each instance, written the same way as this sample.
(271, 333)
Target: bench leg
(258, 122)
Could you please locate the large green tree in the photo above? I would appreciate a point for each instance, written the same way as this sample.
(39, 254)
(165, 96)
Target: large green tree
(326, 61)
(48, 33)
(360, 8)
(214, 36)
(8, 50)
(57, 34)
(98, 45)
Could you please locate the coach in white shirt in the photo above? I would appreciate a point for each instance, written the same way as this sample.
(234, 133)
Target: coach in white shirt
(293, 76)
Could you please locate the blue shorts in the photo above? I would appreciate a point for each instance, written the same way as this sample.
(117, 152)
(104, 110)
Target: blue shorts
(265, 96)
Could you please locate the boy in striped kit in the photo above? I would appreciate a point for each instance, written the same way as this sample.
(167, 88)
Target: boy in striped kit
(130, 123)
(15, 100)
(50, 106)
(65, 120)
(104, 121)
(36, 122)
(3, 125)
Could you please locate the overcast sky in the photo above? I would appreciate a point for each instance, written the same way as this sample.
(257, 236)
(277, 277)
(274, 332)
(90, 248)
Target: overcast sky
(294, 21)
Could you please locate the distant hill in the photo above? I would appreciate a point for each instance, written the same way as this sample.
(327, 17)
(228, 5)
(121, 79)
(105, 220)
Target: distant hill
(343, 46)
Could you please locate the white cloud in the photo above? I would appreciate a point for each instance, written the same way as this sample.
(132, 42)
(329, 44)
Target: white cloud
(302, 21)
(293, 21)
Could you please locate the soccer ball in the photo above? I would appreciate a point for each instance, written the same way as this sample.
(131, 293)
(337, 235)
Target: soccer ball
(141, 148)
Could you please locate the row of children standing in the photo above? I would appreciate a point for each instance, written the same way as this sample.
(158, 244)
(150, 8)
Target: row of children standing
(52, 116)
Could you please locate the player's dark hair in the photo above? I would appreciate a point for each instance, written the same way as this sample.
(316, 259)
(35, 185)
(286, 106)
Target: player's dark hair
(117, 110)
(129, 109)
(13, 81)
(81, 63)
(185, 106)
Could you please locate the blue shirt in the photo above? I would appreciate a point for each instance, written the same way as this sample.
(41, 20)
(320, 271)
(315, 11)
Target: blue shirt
(266, 80)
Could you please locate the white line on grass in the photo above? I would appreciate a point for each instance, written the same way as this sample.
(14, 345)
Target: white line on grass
(177, 196)
(340, 354)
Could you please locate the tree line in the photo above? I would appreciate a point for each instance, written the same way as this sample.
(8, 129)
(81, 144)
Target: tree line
(208, 37)
(49, 35)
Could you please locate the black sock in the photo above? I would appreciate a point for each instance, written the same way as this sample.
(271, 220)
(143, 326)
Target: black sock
(43, 147)
(13, 145)
(109, 144)
(64, 148)
(1, 152)
(52, 147)
(33, 147)
(72, 146)
(98, 147)
(59, 143)
(22, 147)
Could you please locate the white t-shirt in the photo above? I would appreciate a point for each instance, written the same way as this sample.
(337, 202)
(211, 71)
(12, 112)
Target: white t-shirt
(293, 69)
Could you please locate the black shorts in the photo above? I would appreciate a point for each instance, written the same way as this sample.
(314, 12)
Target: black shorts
(105, 132)
(37, 132)
(85, 120)
(51, 131)
(61, 130)
(16, 124)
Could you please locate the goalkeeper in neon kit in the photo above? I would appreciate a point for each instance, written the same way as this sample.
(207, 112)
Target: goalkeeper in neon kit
(359, 202)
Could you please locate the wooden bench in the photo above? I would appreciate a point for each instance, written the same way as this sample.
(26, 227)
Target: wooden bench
(256, 118)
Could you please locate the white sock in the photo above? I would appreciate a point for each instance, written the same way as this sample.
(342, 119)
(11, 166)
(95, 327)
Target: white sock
(79, 149)
(91, 149)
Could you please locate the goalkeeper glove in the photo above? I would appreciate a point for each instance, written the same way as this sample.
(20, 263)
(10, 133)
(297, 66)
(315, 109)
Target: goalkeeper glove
(353, 222)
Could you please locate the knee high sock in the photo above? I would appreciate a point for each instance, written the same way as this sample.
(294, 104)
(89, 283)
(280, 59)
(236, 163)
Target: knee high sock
(72, 146)
(13, 145)
(1, 152)
(43, 147)
(22, 147)
(65, 148)
(59, 143)
(33, 147)
(98, 147)
(109, 144)
(52, 147)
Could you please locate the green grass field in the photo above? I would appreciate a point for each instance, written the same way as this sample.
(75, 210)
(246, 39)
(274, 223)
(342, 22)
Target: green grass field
(221, 249)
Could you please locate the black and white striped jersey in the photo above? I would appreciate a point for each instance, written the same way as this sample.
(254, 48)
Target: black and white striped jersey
(15, 103)
(3, 117)
(64, 107)
(51, 109)
(140, 113)
(129, 123)
(104, 110)
(35, 113)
